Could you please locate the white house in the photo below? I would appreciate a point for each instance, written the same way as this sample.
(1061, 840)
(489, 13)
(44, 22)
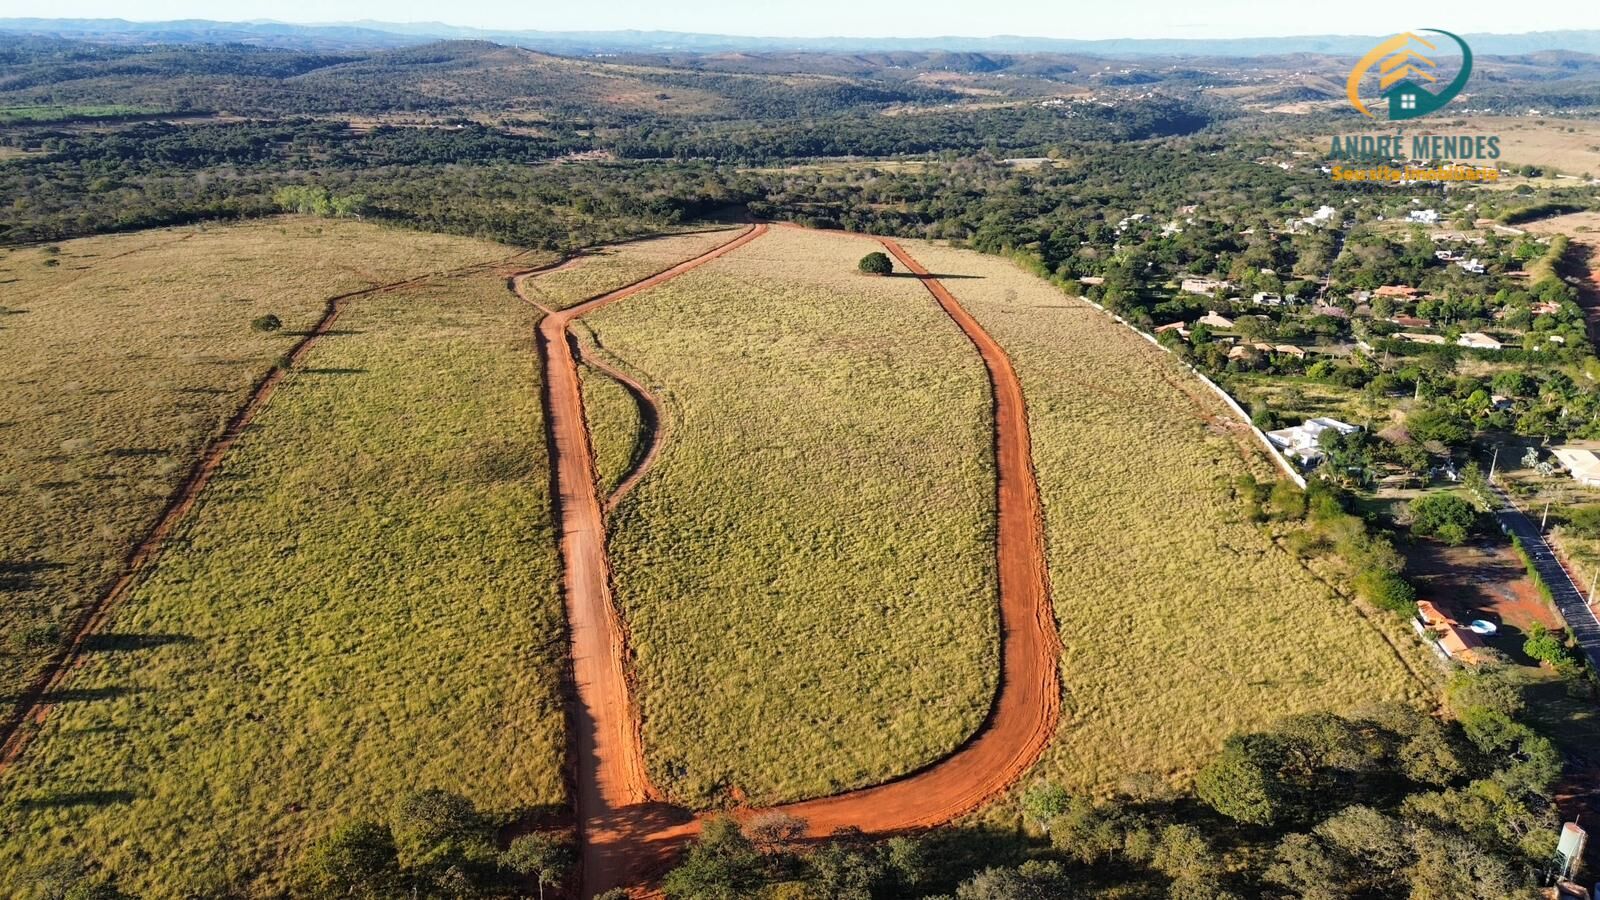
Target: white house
(1302, 441)
(1322, 216)
(1478, 340)
(1214, 319)
(1264, 298)
(1471, 265)
(1423, 216)
(1583, 463)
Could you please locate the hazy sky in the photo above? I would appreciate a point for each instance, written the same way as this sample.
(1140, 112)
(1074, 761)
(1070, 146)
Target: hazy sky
(899, 18)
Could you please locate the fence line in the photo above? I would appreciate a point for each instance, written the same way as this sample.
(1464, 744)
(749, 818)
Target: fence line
(1283, 463)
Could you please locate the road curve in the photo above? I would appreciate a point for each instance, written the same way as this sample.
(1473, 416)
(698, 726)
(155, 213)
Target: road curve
(628, 835)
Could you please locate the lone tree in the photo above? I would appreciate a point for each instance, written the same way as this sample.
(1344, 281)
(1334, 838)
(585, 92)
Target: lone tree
(266, 323)
(876, 263)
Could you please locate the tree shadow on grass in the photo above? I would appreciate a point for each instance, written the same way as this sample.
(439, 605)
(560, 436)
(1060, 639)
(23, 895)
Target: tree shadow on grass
(71, 799)
(24, 576)
(111, 643)
(330, 371)
(935, 275)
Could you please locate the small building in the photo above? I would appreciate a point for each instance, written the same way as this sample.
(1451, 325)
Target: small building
(1290, 350)
(1478, 341)
(1546, 308)
(1416, 338)
(1396, 290)
(1214, 319)
(1472, 266)
(1303, 442)
(1447, 637)
(1581, 462)
(1265, 298)
(1091, 280)
(1182, 328)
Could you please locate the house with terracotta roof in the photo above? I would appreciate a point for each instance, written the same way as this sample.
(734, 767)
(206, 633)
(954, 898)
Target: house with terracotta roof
(1478, 340)
(1448, 637)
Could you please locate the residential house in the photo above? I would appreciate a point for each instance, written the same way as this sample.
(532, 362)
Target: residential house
(1423, 216)
(1091, 280)
(1447, 637)
(1322, 216)
(1581, 462)
(1478, 340)
(1214, 319)
(1264, 298)
(1182, 328)
(1546, 308)
(1471, 265)
(1416, 338)
(1290, 350)
(1302, 442)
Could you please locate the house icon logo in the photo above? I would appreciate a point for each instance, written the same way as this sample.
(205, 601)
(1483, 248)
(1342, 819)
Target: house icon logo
(1404, 62)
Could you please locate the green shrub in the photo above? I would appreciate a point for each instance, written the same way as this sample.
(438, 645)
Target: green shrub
(1445, 515)
(266, 323)
(876, 263)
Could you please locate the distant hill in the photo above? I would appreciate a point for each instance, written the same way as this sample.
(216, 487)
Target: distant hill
(379, 35)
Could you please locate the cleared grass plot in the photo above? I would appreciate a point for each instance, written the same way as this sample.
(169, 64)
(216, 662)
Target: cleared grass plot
(1181, 623)
(618, 265)
(120, 357)
(365, 602)
(807, 574)
(614, 420)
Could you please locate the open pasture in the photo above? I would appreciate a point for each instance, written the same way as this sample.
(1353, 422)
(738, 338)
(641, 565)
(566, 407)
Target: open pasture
(807, 574)
(120, 357)
(364, 602)
(1181, 623)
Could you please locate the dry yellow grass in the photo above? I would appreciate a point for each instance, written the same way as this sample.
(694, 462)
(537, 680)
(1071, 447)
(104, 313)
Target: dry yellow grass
(1570, 145)
(120, 357)
(1181, 622)
(365, 602)
(618, 265)
(807, 573)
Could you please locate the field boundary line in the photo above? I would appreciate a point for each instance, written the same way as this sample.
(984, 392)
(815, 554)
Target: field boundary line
(34, 704)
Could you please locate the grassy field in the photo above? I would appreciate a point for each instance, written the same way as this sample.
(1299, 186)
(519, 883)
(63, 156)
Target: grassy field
(1181, 622)
(617, 438)
(807, 573)
(120, 357)
(39, 114)
(619, 265)
(1569, 145)
(365, 602)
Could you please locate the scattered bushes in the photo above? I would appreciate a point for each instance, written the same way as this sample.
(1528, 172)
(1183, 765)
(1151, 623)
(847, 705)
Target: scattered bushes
(266, 324)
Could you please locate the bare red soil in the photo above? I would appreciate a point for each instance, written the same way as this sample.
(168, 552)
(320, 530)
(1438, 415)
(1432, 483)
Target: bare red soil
(34, 705)
(629, 835)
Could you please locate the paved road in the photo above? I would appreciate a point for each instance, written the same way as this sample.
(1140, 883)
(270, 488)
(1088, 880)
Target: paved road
(1569, 600)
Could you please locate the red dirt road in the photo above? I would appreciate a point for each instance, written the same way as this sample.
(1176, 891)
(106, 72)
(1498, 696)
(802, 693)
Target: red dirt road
(628, 835)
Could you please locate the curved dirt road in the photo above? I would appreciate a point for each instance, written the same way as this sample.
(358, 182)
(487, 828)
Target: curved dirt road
(628, 835)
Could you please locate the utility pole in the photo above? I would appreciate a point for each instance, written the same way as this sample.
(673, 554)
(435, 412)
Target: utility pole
(1493, 462)
(1546, 516)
